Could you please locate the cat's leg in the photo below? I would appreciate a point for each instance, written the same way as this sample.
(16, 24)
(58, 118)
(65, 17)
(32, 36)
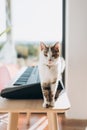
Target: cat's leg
(46, 94)
(46, 103)
(52, 94)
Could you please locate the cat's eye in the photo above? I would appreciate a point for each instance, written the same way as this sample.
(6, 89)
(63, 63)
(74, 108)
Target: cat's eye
(45, 52)
(55, 55)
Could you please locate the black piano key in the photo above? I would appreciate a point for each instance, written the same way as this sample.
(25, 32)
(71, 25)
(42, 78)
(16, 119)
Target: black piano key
(22, 80)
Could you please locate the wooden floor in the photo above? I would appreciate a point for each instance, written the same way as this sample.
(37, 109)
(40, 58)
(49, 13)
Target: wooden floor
(39, 122)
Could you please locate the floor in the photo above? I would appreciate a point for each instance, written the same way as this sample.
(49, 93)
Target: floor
(39, 122)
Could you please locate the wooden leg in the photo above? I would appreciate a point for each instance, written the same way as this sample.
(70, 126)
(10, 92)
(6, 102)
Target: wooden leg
(52, 121)
(13, 121)
(28, 118)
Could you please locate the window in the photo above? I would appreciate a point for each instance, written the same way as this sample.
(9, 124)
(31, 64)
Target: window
(2, 21)
(31, 21)
(35, 20)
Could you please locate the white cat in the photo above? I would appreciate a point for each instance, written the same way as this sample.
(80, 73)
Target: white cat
(51, 65)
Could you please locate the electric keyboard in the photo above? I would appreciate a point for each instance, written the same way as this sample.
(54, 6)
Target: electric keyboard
(26, 85)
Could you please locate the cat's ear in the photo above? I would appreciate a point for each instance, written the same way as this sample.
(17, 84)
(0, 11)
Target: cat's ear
(57, 46)
(42, 46)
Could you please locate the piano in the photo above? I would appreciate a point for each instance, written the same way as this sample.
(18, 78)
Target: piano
(26, 85)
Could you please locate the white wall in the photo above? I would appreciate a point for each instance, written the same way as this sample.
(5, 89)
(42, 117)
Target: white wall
(76, 57)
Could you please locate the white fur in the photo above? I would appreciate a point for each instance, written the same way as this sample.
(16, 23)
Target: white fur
(46, 74)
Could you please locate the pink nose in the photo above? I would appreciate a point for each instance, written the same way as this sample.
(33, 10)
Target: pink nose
(50, 60)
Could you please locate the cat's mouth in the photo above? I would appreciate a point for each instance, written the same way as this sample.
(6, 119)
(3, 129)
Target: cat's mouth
(50, 62)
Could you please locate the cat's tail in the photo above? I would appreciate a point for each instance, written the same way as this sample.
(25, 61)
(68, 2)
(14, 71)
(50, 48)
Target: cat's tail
(62, 65)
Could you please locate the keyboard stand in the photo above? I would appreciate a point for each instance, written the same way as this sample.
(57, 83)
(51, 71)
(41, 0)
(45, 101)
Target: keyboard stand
(13, 107)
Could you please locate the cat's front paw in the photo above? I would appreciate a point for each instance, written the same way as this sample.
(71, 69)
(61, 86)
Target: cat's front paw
(46, 105)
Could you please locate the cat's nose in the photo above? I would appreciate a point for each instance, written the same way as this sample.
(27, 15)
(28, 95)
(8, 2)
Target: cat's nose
(50, 59)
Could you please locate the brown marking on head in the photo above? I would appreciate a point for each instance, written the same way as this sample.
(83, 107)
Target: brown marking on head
(55, 50)
(46, 51)
(44, 48)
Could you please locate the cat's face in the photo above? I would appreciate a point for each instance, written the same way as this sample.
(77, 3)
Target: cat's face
(50, 53)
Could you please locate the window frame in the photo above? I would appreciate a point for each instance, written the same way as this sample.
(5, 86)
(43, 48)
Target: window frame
(63, 33)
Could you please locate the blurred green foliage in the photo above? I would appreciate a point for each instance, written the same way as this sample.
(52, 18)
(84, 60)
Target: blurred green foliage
(1, 45)
(25, 50)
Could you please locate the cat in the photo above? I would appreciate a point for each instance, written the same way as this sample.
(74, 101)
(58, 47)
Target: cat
(51, 65)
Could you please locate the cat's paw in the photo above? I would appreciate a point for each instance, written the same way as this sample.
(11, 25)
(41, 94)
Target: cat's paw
(46, 105)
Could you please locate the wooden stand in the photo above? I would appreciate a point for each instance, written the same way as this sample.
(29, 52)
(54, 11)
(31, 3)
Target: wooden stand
(13, 121)
(13, 107)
